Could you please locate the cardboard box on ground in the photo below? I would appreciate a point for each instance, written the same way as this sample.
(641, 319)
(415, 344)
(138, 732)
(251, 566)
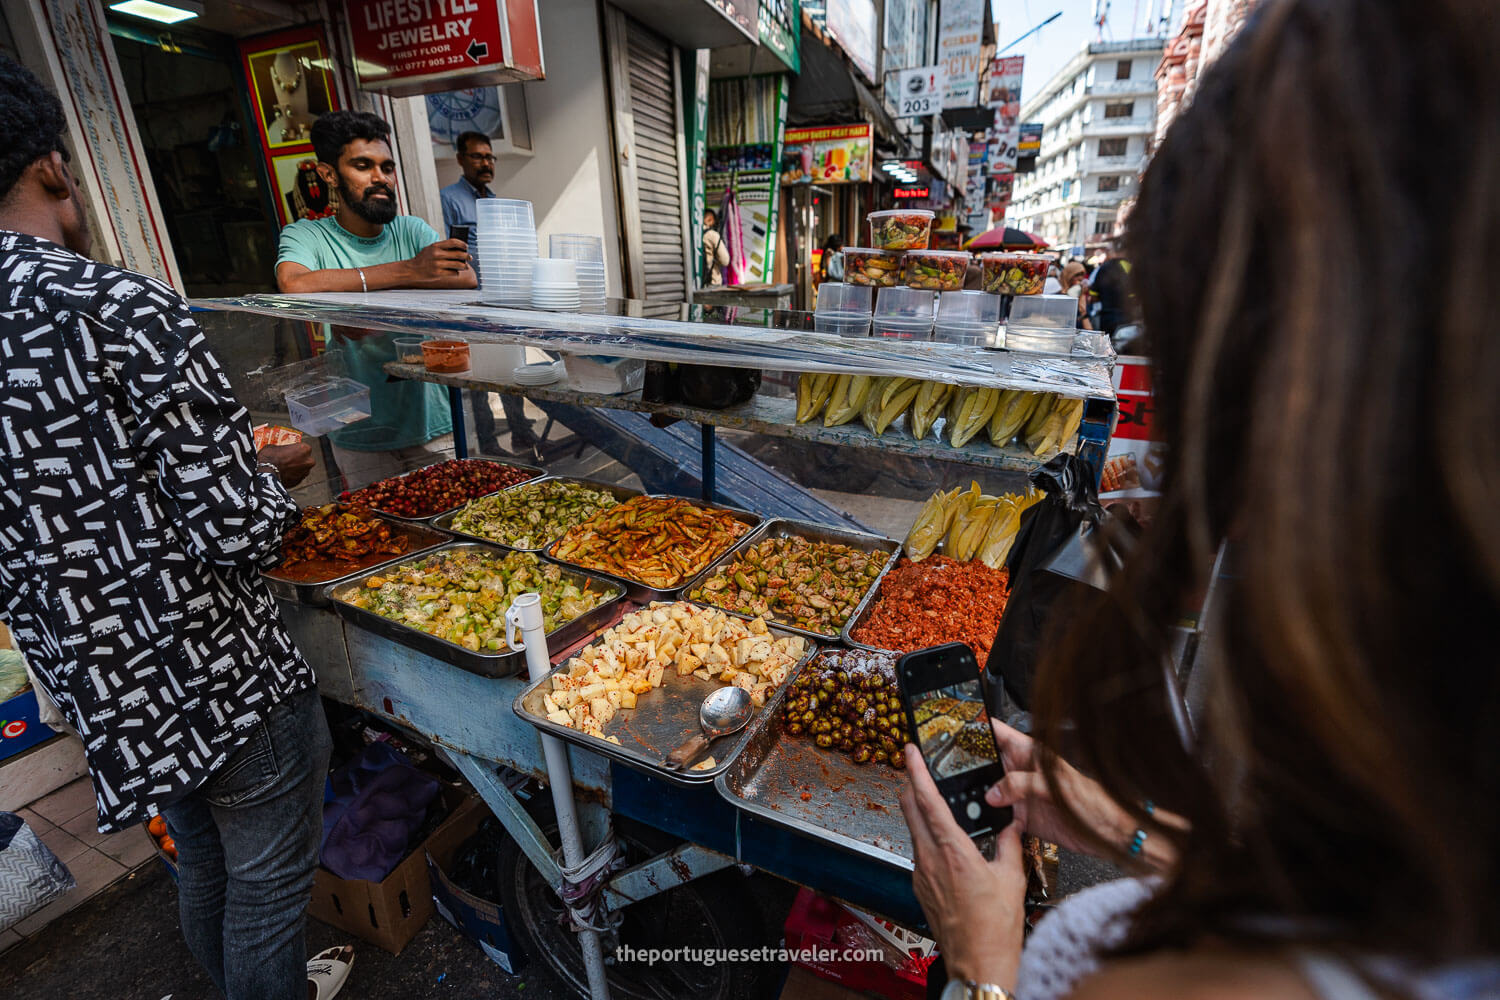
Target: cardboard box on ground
(390, 912)
(480, 920)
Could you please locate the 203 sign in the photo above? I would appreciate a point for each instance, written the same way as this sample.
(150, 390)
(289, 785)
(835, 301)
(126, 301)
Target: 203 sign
(928, 104)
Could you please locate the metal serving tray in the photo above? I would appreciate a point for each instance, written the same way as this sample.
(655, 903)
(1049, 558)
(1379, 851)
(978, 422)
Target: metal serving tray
(639, 592)
(854, 807)
(782, 527)
(868, 605)
(661, 721)
(536, 472)
(315, 592)
(444, 522)
(501, 664)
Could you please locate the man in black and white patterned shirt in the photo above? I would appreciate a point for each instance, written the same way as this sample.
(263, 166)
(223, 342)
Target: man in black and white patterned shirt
(134, 517)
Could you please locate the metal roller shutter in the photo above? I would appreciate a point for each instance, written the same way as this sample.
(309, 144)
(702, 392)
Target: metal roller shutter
(646, 92)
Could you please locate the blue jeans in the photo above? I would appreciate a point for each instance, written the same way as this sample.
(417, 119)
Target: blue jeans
(247, 843)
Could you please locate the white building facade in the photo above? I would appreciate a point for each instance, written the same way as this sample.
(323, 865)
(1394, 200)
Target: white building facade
(1098, 116)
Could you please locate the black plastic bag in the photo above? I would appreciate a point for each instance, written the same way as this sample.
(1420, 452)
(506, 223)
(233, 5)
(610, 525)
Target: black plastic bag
(1053, 565)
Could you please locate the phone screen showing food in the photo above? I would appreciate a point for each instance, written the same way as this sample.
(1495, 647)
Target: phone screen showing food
(953, 729)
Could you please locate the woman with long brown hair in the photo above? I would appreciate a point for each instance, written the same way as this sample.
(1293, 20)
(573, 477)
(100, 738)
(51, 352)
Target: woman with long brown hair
(1332, 409)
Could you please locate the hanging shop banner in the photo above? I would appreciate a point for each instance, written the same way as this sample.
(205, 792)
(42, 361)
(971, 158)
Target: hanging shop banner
(829, 154)
(975, 181)
(1004, 91)
(290, 86)
(920, 91)
(1028, 146)
(424, 46)
(1004, 149)
(960, 49)
(781, 30)
(853, 24)
(1135, 462)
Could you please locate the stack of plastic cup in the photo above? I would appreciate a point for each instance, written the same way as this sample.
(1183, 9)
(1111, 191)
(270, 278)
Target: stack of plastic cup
(971, 318)
(587, 254)
(843, 309)
(554, 285)
(904, 313)
(506, 247)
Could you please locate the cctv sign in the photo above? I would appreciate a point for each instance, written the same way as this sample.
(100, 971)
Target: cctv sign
(920, 91)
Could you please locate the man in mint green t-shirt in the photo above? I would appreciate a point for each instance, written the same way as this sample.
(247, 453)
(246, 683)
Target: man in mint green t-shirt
(366, 246)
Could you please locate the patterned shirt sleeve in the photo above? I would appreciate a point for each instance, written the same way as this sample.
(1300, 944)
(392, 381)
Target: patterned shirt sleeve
(198, 436)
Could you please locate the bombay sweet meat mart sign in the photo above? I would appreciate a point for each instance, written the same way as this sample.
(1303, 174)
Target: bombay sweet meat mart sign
(409, 47)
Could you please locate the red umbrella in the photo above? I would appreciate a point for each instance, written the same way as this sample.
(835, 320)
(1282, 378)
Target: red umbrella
(1006, 238)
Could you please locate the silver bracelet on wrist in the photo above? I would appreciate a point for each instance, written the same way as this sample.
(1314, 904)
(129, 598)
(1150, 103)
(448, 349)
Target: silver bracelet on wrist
(362, 286)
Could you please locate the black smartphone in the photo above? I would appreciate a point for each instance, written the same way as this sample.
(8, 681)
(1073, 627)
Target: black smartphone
(459, 233)
(944, 703)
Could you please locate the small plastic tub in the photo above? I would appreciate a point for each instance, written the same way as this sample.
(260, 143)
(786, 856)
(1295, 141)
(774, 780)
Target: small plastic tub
(1039, 341)
(328, 405)
(935, 270)
(842, 324)
(837, 297)
(445, 355)
(900, 229)
(409, 350)
(968, 335)
(892, 328)
(868, 266)
(1015, 273)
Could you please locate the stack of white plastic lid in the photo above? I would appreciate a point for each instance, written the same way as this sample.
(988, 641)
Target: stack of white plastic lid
(554, 285)
(844, 309)
(506, 247)
(904, 313)
(587, 254)
(967, 318)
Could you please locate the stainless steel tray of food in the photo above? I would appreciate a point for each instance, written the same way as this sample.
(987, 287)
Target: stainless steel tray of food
(502, 663)
(444, 522)
(536, 471)
(782, 527)
(314, 589)
(661, 721)
(860, 614)
(821, 794)
(642, 593)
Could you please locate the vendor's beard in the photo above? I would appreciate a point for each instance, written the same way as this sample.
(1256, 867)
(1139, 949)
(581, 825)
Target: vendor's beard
(377, 212)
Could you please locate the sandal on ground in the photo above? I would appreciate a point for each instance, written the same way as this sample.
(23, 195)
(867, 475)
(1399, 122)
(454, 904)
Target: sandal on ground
(327, 971)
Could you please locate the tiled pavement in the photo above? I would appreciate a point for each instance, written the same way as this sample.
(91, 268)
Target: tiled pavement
(65, 822)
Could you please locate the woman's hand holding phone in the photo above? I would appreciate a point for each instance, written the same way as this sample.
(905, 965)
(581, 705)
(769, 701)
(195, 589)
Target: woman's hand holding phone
(976, 908)
(1024, 789)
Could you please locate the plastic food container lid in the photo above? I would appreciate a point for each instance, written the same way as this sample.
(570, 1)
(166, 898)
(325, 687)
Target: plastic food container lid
(1014, 255)
(968, 307)
(873, 250)
(906, 303)
(838, 297)
(1044, 312)
(962, 255)
(903, 211)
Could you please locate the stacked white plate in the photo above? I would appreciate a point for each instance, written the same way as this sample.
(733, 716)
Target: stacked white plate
(541, 373)
(554, 285)
(506, 248)
(587, 254)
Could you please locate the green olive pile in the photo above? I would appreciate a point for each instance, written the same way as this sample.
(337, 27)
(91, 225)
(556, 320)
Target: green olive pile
(847, 701)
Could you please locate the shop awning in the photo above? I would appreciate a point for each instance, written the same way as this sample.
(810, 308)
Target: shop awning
(829, 90)
(697, 24)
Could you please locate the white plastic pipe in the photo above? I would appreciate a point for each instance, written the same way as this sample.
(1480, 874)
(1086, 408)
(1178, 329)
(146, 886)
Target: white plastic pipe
(525, 614)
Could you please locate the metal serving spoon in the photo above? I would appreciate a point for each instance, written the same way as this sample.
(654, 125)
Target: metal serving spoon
(723, 712)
